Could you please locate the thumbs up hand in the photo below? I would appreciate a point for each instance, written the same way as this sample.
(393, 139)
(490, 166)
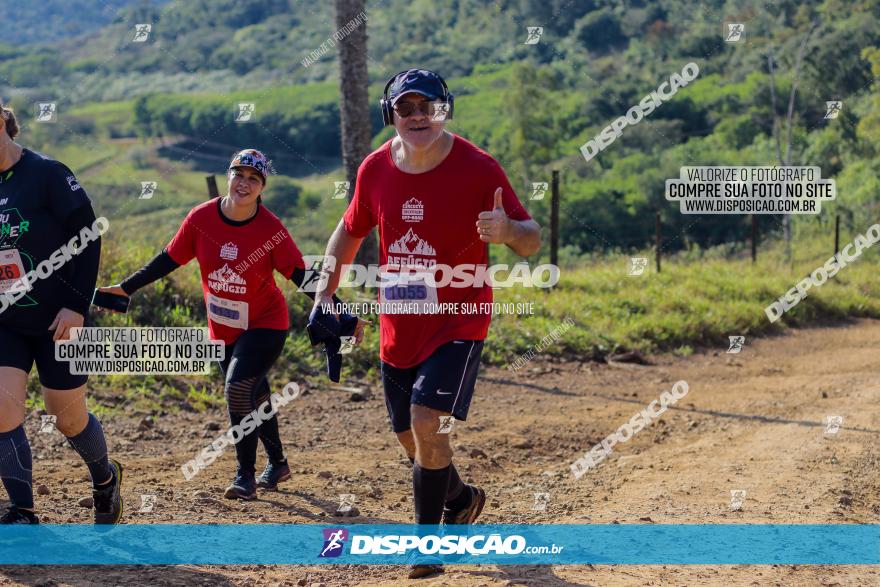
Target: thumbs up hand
(493, 226)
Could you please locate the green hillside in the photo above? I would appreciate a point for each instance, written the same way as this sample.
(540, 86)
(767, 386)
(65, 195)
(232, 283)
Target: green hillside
(49, 21)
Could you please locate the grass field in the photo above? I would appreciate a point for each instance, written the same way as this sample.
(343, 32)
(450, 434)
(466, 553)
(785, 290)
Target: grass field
(697, 301)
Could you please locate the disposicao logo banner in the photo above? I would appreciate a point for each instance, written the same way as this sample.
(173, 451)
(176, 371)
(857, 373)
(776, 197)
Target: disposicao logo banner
(393, 544)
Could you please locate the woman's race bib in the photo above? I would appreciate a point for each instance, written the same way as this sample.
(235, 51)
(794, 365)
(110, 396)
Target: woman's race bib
(231, 313)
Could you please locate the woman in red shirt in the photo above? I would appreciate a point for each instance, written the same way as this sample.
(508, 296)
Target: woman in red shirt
(239, 244)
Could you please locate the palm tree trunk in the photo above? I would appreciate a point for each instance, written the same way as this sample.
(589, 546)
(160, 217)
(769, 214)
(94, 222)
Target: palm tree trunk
(354, 103)
(789, 118)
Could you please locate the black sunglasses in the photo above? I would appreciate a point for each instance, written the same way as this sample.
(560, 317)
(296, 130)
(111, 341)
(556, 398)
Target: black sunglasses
(407, 109)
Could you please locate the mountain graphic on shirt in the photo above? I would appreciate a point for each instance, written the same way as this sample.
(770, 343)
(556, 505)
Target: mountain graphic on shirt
(227, 275)
(411, 244)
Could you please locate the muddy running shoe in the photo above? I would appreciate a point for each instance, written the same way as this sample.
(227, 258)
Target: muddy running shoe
(273, 474)
(469, 514)
(108, 500)
(243, 487)
(424, 570)
(16, 516)
(423, 566)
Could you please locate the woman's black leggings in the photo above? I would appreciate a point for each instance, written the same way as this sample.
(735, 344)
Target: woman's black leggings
(246, 366)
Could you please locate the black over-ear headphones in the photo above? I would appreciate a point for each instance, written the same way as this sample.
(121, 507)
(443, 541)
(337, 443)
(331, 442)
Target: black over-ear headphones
(388, 110)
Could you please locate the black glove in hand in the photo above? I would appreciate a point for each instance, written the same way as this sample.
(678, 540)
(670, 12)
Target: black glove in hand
(328, 329)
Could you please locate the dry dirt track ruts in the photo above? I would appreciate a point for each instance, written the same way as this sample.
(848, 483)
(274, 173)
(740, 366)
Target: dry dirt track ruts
(752, 421)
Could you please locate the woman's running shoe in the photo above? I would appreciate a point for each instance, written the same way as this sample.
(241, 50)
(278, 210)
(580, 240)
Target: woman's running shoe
(243, 487)
(273, 474)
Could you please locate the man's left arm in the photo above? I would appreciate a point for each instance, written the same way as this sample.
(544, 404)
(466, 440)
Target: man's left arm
(494, 226)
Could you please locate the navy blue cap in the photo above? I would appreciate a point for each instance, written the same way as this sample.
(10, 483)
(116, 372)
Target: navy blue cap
(420, 81)
(326, 328)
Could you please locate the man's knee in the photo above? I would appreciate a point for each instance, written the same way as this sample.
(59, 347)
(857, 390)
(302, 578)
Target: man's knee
(425, 421)
(426, 426)
(408, 443)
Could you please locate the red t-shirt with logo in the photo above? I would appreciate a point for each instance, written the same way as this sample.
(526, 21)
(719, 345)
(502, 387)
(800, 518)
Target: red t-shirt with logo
(237, 260)
(428, 219)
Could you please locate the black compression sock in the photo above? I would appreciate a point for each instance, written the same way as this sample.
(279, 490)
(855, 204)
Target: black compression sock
(92, 448)
(458, 494)
(270, 436)
(429, 493)
(16, 464)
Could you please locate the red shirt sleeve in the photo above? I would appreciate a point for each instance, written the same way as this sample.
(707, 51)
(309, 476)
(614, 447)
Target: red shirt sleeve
(182, 247)
(286, 255)
(512, 206)
(361, 217)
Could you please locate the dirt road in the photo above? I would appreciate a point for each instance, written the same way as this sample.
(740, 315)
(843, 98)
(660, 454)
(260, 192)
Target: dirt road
(753, 421)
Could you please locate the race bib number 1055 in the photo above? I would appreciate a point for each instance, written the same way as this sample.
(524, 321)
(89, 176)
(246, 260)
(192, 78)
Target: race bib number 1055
(412, 296)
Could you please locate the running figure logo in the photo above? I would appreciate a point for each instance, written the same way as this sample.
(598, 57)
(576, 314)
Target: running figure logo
(734, 32)
(142, 32)
(446, 424)
(736, 344)
(148, 501)
(148, 188)
(347, 344)
(737, 497)
(334, 538)
(637, 265)
(440, 111)
(534, 36)
(833, 424)
(341, 189)
(539, 188)
(47, 423)
(832, 109)
(541, 501)
(320, 267)
(246, 111)
(47, 112)
(346, 502)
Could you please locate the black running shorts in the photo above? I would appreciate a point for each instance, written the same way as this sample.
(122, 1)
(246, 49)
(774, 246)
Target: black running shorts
(21, 351)
(444, 381)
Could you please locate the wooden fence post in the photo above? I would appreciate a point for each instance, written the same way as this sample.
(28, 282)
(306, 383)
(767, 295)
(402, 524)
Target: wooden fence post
(836, 233)
(212, 187)
(657, 240)
(554, 220)
(754, 238)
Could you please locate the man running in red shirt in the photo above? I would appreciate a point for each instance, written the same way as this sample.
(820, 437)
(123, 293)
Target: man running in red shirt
(437, 200)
